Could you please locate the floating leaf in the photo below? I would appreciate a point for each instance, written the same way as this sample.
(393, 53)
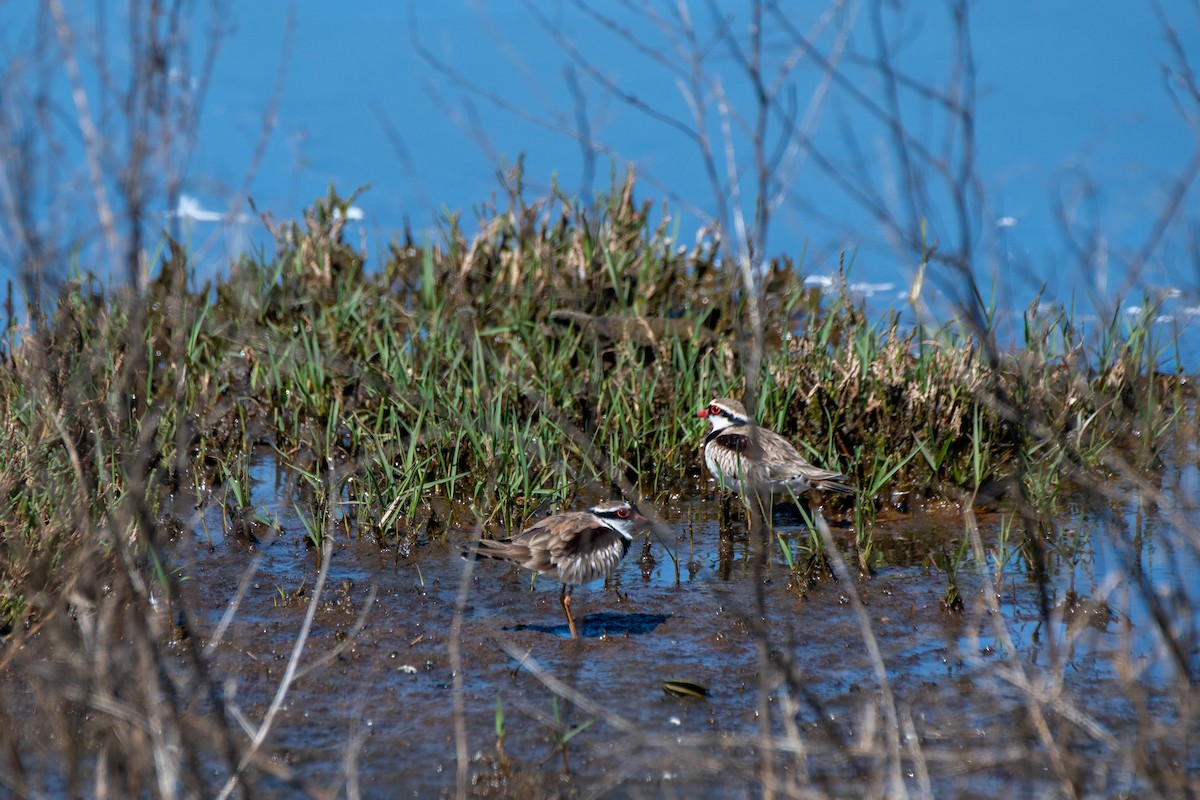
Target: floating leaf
(681, 688)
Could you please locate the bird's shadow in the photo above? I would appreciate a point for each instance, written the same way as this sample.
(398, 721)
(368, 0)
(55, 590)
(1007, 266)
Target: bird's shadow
(593, 626)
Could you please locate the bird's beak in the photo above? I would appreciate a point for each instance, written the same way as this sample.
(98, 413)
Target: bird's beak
(702, 413)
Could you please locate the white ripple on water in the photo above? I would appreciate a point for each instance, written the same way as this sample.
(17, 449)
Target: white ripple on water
(859, 287)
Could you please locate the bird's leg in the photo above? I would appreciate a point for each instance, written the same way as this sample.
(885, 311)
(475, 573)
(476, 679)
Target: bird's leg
(566, 604)
(647, 561)
(726, 500)
(764, 503)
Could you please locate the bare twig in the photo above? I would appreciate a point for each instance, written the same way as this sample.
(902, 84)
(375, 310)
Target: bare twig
(897, 787)
(91, 135)
(289, 674)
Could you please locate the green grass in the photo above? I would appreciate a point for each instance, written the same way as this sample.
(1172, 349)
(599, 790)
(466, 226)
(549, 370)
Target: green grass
(458, 370)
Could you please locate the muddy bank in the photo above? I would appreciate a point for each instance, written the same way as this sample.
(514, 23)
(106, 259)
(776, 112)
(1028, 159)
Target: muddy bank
(381, 714)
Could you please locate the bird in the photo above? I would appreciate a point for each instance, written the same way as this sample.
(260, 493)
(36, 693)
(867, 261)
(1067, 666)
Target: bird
(573, 548)
(742, 456)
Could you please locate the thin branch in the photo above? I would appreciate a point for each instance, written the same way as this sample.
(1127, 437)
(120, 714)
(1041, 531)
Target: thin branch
(91, 136)
(897, 787)
(289, 674)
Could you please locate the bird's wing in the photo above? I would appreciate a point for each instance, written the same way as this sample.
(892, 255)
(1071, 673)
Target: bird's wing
(579, 547)
(827, 479)
(783, 461)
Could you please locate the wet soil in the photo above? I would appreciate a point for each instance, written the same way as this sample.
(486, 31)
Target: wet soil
(380, 716)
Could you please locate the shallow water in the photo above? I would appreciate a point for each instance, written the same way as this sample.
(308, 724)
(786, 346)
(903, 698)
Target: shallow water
(382, 713)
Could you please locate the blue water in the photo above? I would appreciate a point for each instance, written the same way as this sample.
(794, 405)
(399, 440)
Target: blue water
(1117, 557)
(965, 677)
(1080, 132)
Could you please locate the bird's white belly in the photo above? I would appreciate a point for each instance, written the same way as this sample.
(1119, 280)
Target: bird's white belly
(727, 467)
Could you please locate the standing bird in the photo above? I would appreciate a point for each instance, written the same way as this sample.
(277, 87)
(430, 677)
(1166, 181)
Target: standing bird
(574, 548)
(742, 456)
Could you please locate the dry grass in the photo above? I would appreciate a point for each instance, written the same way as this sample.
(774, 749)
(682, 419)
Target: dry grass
(473, 380)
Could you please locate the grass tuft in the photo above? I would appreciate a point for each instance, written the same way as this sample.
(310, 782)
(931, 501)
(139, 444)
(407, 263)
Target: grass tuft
(401, 396)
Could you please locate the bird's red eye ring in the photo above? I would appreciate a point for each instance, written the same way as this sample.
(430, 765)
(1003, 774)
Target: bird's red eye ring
(623, 513)
(715, 410)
